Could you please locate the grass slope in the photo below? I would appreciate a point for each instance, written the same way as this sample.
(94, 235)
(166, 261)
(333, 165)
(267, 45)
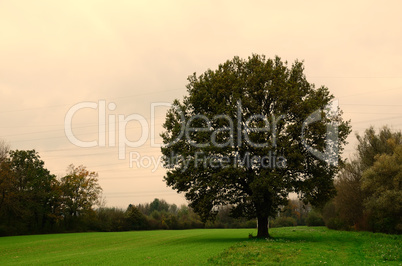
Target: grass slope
(315, 245)
(136, 247)
(299, 245)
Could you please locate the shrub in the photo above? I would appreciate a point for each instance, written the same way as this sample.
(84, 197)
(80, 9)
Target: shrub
(250, 224)
(283, 222)
(314, 219)
(136, 220)
(108, 220)
(336, 223)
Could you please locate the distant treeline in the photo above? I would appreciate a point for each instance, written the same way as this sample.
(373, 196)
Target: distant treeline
(369, 186)
(32, 201)
(161, 215)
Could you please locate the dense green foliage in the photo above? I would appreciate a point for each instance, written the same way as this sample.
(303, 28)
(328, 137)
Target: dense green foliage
(292, 245)
(34, 201)
(282, 221)
(27, 191)
(314, 219)
(155, 215)
(161, 215)
(242, 137)
(369, 188)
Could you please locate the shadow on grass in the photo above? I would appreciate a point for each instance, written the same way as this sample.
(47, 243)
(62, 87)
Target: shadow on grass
(221, 240)
(298, 234)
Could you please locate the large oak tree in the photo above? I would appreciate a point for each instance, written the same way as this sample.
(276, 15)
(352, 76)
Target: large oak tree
(248, 134)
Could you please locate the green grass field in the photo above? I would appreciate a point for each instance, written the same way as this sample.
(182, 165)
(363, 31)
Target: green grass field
(299, 245)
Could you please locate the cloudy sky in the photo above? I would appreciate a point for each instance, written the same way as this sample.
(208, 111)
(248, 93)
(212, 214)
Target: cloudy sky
(126, 55)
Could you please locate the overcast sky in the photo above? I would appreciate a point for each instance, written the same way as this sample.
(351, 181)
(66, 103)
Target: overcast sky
(130, 54)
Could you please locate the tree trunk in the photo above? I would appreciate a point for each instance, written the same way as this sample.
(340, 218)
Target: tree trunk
(262, 227)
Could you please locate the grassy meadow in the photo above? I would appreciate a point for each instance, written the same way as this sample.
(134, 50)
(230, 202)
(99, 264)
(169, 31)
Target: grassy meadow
(291, 245)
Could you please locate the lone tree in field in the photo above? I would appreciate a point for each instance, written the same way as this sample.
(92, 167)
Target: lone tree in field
(248, 134)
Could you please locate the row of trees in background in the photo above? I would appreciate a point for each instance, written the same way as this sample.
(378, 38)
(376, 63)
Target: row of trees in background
(368, 190)
(32, 200)
(155, 215)
(161, 215)
(369, 187)
(369, 197)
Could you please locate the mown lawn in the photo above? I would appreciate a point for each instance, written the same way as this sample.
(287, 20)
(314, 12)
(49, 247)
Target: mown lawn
(292, 245)
(315, 245)
(136, 247)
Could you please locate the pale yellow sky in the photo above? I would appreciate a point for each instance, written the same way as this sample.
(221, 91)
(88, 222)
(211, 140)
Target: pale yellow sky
(55, 54)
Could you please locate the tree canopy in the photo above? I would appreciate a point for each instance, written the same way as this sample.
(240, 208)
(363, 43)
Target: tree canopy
(248, 134)
(80, 190)
(369, 195)
(32, 200)
(380, 156)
